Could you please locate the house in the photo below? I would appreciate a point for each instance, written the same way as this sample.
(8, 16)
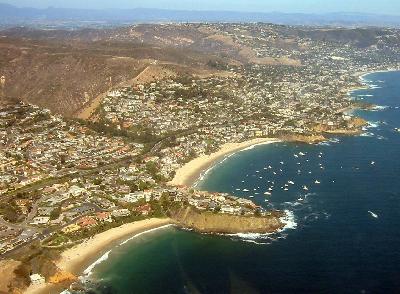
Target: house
(37, 279)
(86, 222)
(121, 212)
(133, 197)
(75, 191)
(229, 209)
(71, 228)
(144, 209)
(40, 220)
(45, 211)
(103, 217)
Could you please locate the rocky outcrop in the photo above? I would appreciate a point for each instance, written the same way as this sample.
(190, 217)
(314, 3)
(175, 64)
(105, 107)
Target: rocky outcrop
(210, 222)
(61, 277)
(309, 139)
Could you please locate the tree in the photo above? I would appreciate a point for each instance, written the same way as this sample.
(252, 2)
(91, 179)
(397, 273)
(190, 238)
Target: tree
(55, 214)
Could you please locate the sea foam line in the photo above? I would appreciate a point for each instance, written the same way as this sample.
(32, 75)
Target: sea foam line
(89, 270)
(288, 220)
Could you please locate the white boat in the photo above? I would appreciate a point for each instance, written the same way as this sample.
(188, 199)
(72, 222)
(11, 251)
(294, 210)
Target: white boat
(373, 214)
(372, 162)
(295, 155)
(286, 189)
(269, 166)
(281, 162)
(317, 182)
(305, 188)
(245, 190)
(251, 196)
(270, 189)
(301, 153)
(300, 199)
(268, 193)
(274, 173)
(291, 182)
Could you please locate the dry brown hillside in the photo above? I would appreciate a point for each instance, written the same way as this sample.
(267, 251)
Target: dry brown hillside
(65, 75)
(69, 71)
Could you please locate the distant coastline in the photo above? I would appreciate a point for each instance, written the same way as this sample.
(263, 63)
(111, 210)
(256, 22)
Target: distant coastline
(189, 174)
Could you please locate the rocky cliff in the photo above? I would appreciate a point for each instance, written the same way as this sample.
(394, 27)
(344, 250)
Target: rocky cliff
(310, 139)
(209, 222)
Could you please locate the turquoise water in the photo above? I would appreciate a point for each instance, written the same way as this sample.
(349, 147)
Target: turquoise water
(346, 238)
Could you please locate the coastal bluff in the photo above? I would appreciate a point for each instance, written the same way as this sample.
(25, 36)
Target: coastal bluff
(218, 223)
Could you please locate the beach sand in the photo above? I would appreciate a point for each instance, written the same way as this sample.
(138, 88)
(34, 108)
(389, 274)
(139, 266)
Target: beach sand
(78, 258)
(188, 174)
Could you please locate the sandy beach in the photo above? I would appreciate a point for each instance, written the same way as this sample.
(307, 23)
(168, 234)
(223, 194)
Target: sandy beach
(81, 256)
(188, 174)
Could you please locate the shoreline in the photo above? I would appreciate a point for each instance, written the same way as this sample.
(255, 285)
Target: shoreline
(78, 259)
(194, 170)
(86, 255)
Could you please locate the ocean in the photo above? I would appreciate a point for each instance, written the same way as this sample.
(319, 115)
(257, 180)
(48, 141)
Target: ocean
(343, 199)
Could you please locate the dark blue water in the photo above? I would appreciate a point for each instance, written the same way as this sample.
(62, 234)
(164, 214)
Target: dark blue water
(346, 239)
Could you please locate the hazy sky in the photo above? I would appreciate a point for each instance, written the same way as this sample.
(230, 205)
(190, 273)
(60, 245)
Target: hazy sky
(318, 6)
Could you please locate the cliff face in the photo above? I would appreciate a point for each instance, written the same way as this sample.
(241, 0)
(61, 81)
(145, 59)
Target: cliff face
(310, 139)
(208, 222)
(354, 127)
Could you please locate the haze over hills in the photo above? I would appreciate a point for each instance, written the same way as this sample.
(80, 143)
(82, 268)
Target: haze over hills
(11, 16)
(64, 70)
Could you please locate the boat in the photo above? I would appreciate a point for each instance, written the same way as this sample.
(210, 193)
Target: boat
(301, 153)
(397, 130)
(317, 182)
(373, 214)
(291, 182)
(300, 199)
(281, 162)
(295, 155)
(268, 193)
(245, 190)
(286, 189)
(305, 188)
(372, 162)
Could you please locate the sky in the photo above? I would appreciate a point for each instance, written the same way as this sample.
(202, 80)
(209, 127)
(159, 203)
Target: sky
(304, 6)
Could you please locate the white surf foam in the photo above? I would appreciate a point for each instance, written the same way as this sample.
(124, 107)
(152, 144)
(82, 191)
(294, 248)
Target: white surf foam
(89, 270)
